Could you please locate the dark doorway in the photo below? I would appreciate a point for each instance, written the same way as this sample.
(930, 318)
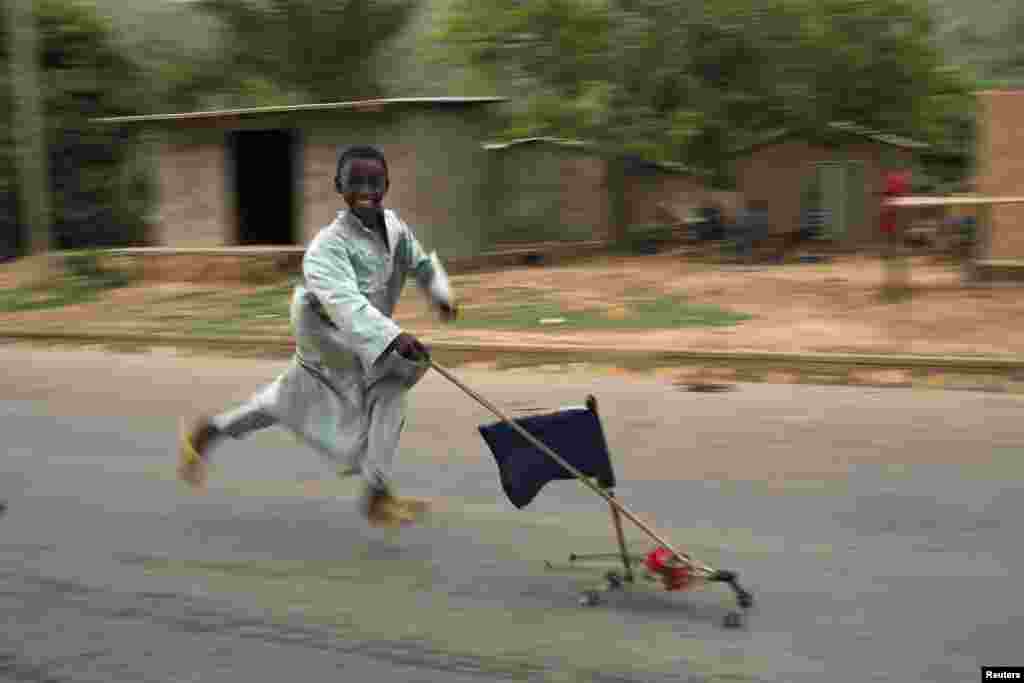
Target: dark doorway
(262, 164)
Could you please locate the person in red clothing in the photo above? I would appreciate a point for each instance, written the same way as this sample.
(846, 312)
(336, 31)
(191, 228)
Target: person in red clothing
(897, 184)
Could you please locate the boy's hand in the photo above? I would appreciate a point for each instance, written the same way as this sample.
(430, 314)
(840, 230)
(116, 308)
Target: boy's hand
(449, 312)
(410, 347)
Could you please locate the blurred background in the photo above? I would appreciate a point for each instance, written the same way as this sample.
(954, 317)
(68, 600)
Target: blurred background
(667, 82)
(713, 177)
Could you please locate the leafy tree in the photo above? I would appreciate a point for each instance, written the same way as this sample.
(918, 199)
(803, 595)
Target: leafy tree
(1009, 59)
(295, 50)
(691, 82)
(98, 179)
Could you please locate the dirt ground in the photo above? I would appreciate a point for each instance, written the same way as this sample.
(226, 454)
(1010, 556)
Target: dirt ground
(834, 307)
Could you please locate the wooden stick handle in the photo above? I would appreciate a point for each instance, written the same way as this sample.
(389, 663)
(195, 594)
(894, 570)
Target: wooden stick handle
(621, 537)
(626, 512)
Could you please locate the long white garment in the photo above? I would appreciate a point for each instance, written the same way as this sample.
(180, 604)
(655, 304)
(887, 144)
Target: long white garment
(339, 395)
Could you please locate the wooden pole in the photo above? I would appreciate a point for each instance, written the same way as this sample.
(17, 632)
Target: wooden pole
(621, 538)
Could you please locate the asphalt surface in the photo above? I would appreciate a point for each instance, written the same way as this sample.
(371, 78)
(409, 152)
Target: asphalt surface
(874, 526)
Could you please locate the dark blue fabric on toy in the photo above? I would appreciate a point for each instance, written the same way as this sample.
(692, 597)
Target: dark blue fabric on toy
(575, 434)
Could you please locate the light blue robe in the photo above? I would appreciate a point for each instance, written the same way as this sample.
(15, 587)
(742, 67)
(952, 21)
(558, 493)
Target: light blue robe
(340, 395)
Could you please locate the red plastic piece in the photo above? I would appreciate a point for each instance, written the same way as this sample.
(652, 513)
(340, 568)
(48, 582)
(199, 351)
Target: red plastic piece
(673, 576)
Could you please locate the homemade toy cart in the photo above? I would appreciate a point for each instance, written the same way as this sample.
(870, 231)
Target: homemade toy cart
(527, 451)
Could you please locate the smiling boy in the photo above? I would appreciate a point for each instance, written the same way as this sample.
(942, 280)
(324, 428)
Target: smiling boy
(344, 393)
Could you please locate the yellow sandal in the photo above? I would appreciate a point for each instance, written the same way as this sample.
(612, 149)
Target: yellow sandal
(191, 465)
(395, 511)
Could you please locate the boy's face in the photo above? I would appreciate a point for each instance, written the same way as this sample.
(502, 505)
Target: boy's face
(364, 183)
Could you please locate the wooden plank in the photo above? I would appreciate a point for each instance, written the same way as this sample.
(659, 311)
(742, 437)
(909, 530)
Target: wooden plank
(913, 202)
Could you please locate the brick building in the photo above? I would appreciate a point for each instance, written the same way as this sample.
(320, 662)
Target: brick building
(264, 176)
(1000, 172)
(555, 189)
(842, 167)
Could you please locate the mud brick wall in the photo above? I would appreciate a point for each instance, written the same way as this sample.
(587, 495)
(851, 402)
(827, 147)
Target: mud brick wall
(1001, 170)
(320, 201)
(194, 210)
(437, 169)
(439, 173)
(662, 197)
(584, 202)
(776, 175)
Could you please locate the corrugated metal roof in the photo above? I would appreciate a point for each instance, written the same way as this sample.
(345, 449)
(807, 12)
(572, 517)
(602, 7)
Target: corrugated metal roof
(667, 166)
(561, 142)
(858, 130)
(355, 105)
(894, 140)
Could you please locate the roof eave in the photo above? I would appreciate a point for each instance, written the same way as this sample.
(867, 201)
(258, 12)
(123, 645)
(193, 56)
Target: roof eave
(781, 136)
(355, 105)
(499, 145)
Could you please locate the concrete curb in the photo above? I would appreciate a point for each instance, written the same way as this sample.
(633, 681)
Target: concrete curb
(695, 369)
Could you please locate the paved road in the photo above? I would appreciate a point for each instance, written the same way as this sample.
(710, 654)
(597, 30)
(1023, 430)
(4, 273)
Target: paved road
(874, 526)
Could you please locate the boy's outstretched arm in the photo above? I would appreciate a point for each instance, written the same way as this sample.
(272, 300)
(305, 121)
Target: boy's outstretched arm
(430, 275)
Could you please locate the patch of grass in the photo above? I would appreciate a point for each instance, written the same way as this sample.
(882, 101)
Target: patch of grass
(232, 312)
(266, 303)
(186, 296)
(674, 311)
(523, 314)
(663, 312)
(82, 280)
(57, 295)
(895, 295)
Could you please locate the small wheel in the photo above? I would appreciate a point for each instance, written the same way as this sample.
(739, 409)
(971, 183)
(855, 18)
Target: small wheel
(733, 620)
(614, 581)
(589, 598)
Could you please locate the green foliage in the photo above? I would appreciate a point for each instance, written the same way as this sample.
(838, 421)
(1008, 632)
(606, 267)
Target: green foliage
(1009, 63)
(983, 39)
(54, 295)
(295, 50)
(974, 36)
(692, 82)
(242, 53)
(101, 177)
(99, 181)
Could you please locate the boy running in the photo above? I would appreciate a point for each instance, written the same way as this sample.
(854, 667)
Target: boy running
(344, 392)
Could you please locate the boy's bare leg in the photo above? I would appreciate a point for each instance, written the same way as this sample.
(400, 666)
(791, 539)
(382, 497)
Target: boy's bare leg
(386, 401)
(198, 440)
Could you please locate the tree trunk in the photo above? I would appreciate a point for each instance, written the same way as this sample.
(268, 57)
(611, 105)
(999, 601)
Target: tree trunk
(29, 131)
